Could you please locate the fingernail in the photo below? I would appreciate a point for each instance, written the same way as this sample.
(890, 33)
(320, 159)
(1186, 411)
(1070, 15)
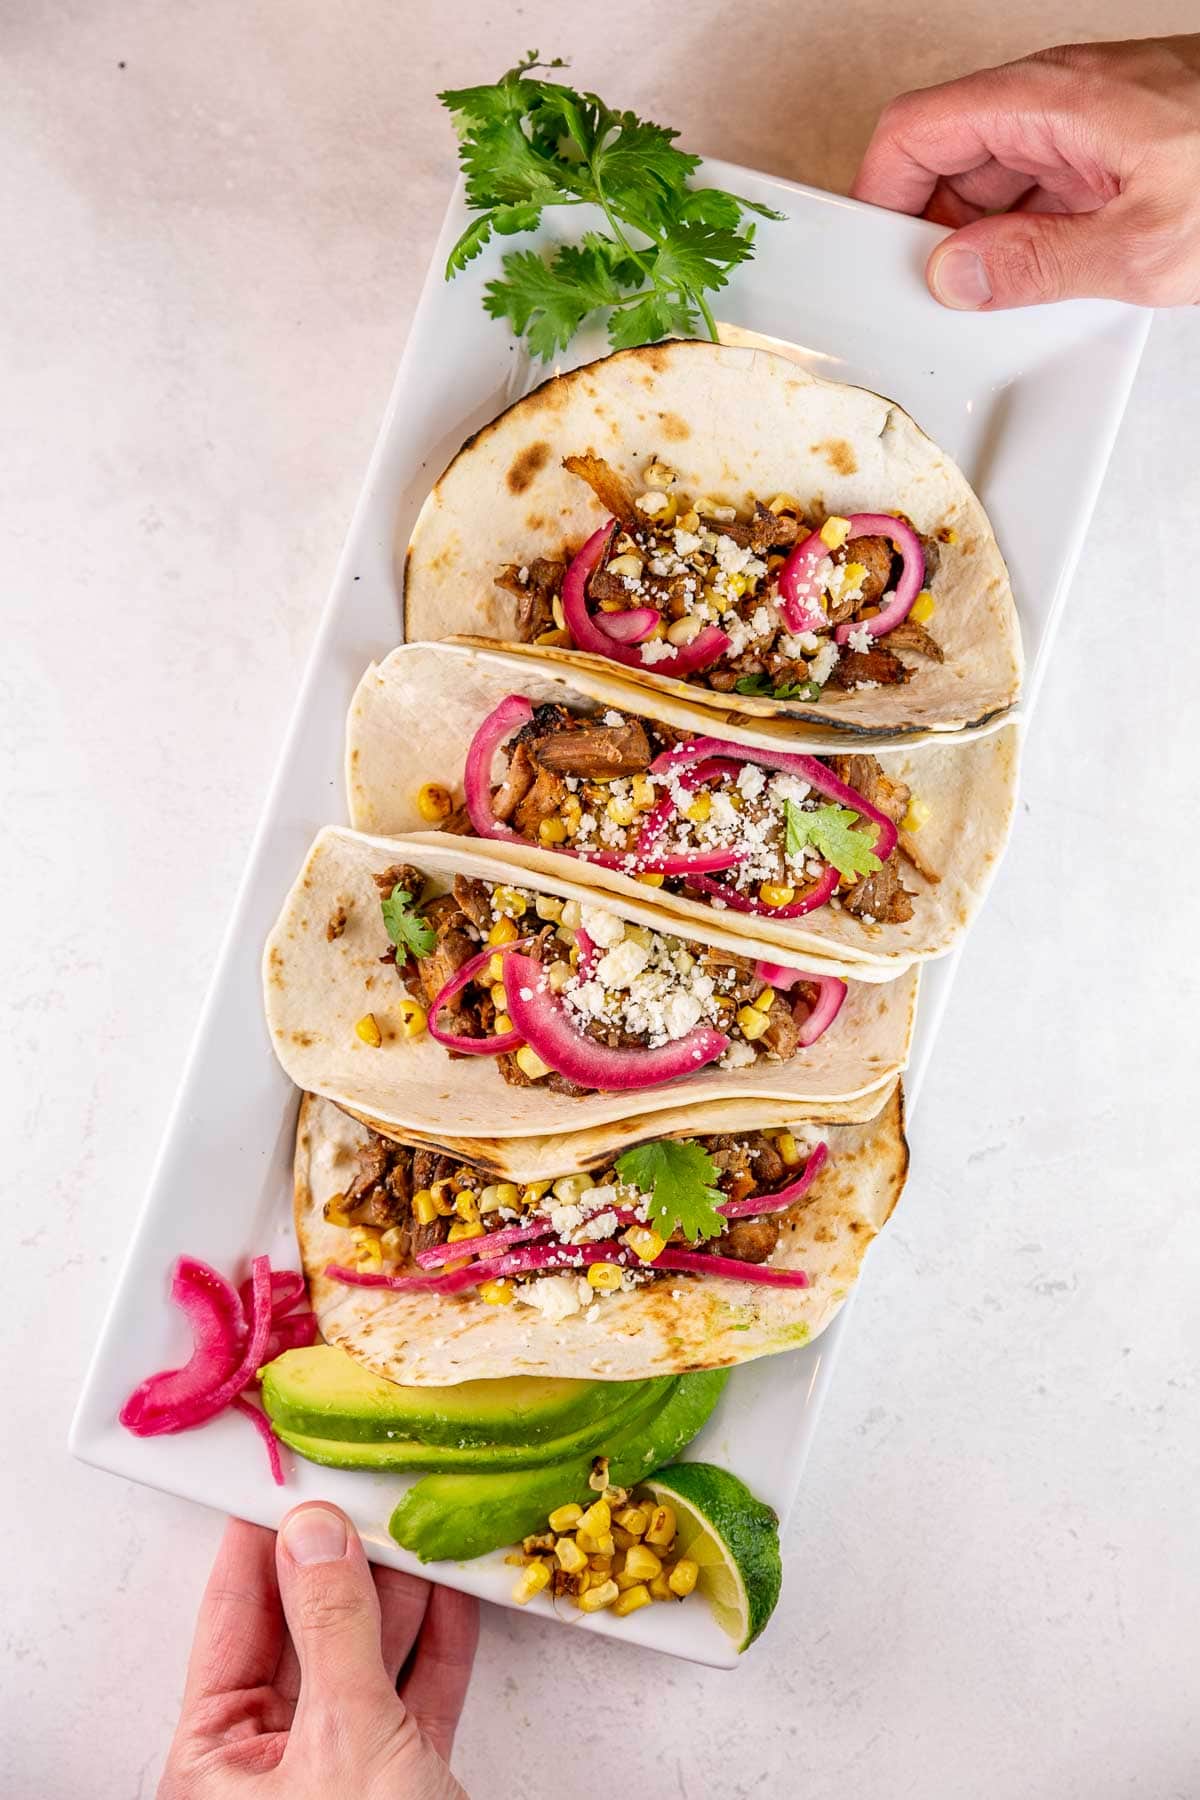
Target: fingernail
(959, 279)
(315, 1535)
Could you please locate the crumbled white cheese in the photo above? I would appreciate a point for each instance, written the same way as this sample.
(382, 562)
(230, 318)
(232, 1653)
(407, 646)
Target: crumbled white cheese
(656, 651)
(686, 542)
(739, 1055)
(604, 928)
(522, 574)
(565, 1219)
(652, 504)
(600, 1225)
(557, 1296)
(824, 662)
(614, 718)
(621, 966)
(860, 639)
(751, 780)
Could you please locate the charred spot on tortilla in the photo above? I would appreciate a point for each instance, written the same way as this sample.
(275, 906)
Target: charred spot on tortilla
(526, 465)
(673, 428)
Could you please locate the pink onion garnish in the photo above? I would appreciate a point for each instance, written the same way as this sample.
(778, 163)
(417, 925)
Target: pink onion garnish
(542, 1021)
(831, 993)
(696, 1262)
(799, 589)
(756, 1205)
(589, 954)
(513, 712)
(296, 1332)
(219, 1332)
(912, 575)
(707, 647)
(631, 627)
(817, 895)
(266, 1432)
(287, 1291)
(470, 1046)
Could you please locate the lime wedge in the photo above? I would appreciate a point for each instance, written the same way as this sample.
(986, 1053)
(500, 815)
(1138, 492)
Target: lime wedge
(732, 1536)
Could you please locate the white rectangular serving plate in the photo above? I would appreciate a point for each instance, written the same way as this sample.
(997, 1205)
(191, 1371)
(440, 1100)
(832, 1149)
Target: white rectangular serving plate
(1027, 402)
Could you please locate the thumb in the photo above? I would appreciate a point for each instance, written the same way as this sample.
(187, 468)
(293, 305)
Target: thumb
(1025, 258)
(332, 1612)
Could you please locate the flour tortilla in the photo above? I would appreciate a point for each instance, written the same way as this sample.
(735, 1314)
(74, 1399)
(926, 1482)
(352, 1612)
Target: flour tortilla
(735, 423)
(665, 1328)
(414, 714)
(316, 989)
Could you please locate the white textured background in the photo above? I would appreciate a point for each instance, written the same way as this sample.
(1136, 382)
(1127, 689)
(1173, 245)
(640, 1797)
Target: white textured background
(209, 259)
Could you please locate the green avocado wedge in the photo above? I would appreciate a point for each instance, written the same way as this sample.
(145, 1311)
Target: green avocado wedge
(407, 1453)
(322, 1392)
(458, 1516)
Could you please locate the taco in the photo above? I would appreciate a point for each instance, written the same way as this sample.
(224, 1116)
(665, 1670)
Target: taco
(718, 523)
(681, 1254)
(868, 861)
(419, 984)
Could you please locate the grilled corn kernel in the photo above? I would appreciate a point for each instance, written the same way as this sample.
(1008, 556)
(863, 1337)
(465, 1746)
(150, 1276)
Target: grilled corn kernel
(622, 1539)
(369, 1258)
(537, 1540)
(557, 976)
(529, 1195)
(643, 791)
(464, 1228)
(765, 1001)
(570, 1556)
(624, 1579)
(788, 1148)
(918, 814)
(682, 1578)
(499, 997)
(489, 1198)
(773, 893)
(650, 880)
(495, 970)
(598, 1475)
(368, 1030)
(557, 638)
(502, 1024)
(621, 812)
(568, 1188)
(835, 531)
(552, 831)
(785, 503)
(684, 630)
(565, 1518)
(752, 1022)
(633, 1519)
(413, 1018)
(496, 1293)
(688, 519)
(597, 1519)
(660, 1589)
(600, 1565)
(596, 1544)
(646, 1245)
(643, 1563)
(535, 1578)
(531, 1064)
(923, 607)
(466, 1205)
(735, 586)
(548, 907)
(571, 915)
(443, 1197)
(335, 1210)
(853, 575)
(595, 1599)
(699, 809)
(503, 932)
(424, 1207)
(661, 1529)
(516, 1558)
(658, 475)
(631, 1599)
(392, 1242)
(604, 1277)
(508, 900)
(629, 563)
(434, 802)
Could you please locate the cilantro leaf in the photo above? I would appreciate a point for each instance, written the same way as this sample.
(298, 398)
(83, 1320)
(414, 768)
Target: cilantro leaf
(526, 144)
(836, 834)
(787, 690)
(679, 1180)
(407, 930)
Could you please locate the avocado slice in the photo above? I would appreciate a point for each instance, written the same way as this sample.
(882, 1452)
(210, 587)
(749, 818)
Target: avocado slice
(320, 1391)
(407, 1453)
(457, 1516)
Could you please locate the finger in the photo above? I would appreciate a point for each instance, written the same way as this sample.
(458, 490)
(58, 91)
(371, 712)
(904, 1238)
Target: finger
(920, 137)
(332, 1613)
(1025, 258)
(959, 199)
(402, 1604)
(436, 1684)
(239, 1630)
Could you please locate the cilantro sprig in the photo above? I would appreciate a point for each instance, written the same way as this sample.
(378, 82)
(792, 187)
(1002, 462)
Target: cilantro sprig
(836, 834)
(526, 144)
(408, 930)
(679, 1182)
(786, 690)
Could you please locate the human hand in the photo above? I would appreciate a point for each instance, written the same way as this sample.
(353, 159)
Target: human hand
(291, 1687)
(1089, 153)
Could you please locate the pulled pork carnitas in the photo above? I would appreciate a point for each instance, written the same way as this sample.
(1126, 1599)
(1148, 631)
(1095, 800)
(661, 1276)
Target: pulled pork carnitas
(776, 833)
(418, 1217)
(764, 603)
(569, 995)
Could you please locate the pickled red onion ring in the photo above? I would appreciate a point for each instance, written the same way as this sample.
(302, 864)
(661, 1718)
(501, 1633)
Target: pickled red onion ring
(707, 647)
(470, 1046)
(266, 1432)
(631, 627)
(542, 1021)
(823, 891)
(219, 1332)
(912, 574)
(512, 712)
(696, 1262)
(757, 1205)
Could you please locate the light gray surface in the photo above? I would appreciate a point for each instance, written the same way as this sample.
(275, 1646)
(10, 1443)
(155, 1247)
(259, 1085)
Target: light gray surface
(210, 259)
